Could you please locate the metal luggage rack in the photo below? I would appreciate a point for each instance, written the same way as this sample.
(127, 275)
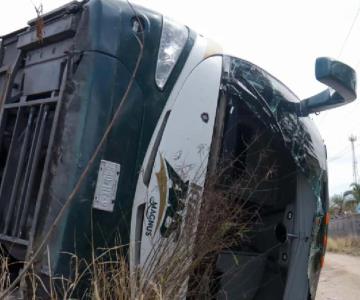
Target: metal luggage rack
(32, 80)
(26, 133)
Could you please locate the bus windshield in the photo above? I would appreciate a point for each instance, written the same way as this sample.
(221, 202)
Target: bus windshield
(270, 88)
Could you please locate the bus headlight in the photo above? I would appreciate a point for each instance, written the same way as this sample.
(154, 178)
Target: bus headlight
(173, 39)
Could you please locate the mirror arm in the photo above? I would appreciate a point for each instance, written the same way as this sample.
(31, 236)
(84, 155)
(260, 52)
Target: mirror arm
(320, 102)
(317, 103)
(341, 80)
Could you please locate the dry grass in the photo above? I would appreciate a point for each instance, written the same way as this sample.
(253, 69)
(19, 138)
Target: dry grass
(347, 245)
(182, 263)
(214, 220)
(4, 273)
(186, 254)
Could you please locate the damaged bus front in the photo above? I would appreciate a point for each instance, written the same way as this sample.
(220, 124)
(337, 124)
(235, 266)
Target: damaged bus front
(257, 135)
(180, 119)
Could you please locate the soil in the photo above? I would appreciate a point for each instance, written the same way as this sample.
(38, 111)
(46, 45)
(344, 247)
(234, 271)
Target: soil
(340, 278)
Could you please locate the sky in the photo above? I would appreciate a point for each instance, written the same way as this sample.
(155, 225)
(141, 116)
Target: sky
(283, 37)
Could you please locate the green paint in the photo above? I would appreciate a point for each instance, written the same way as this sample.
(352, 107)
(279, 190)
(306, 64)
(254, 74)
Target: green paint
(108, 51)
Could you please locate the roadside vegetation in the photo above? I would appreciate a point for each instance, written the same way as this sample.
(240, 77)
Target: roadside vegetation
(346, 203)
(342, 205)
(347, 245)
(183, 263)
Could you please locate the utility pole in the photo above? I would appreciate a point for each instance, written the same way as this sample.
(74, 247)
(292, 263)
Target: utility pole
(352, 140)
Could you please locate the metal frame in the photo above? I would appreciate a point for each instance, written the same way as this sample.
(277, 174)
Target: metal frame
(48, 158)
(28, 140)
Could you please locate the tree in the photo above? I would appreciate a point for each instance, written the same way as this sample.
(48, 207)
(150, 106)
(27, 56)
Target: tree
(337, 202)
(354, 201)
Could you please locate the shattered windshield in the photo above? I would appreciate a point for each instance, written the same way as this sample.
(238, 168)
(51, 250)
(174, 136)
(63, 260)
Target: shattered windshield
(270, 88)
(265, 95)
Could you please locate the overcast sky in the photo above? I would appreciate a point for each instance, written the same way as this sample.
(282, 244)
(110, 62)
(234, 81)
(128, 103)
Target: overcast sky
(283, 37)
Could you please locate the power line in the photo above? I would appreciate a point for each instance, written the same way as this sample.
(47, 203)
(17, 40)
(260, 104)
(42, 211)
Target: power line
(338, 155)
(325, 114)
(349, 32)
(341, 153)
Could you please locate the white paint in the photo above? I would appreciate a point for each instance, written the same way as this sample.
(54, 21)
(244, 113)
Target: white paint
(141, 196)
(185, 144)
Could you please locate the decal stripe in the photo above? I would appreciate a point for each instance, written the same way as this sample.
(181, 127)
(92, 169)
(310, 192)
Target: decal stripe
(151, 161)
(162, 185)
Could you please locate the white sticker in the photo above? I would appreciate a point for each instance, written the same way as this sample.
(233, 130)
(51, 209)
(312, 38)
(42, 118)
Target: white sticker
(106, 186)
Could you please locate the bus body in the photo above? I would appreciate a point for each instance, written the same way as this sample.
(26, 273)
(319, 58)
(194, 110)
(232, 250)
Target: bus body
(189, 107)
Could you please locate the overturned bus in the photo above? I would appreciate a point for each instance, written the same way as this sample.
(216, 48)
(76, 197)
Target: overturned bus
(112, 117)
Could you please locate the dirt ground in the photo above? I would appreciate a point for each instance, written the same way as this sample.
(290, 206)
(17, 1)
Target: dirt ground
(340, 278)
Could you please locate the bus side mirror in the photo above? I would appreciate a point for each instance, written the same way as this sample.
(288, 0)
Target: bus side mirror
(341, 80)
